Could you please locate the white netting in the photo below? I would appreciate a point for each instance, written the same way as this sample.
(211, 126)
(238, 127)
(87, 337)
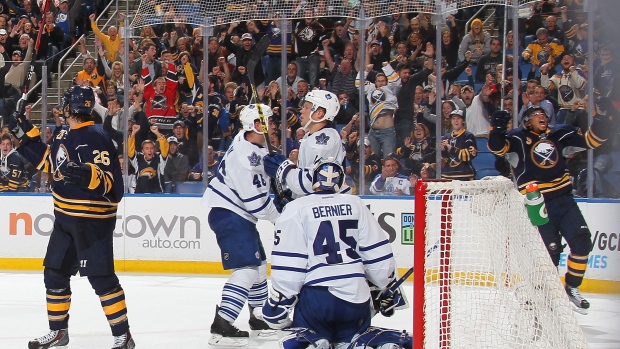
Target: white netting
(500, 288)
(226, 11)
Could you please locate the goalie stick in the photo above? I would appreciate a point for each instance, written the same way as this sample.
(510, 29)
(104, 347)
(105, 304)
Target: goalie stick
(21, 102)
(255, 57)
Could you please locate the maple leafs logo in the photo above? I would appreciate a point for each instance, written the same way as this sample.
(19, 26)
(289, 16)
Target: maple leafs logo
(254, 159)
(322, 139)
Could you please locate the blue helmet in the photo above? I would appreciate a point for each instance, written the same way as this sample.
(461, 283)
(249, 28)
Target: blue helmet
(80, 100)
(327, 175)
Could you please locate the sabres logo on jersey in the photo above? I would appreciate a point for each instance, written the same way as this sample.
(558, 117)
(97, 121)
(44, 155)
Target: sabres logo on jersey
(378, 96)
(148, 172)
(544, 154)
(159, 102)
(254, 159)
(566, 93)
(543, 56)
(322, 139)
(62, 157)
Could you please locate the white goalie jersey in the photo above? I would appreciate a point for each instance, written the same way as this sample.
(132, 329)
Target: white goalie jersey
(322, 144)
(240, 184)
(330, 240)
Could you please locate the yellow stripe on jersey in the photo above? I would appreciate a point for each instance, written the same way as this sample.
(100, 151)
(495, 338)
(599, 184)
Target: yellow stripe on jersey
(88, 202)
(548, 187)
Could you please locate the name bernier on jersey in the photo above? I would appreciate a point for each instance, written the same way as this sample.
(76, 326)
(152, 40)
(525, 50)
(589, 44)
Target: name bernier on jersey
(332, 210)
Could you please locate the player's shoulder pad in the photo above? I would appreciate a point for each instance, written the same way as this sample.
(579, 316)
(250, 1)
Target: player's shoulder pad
(563, 129)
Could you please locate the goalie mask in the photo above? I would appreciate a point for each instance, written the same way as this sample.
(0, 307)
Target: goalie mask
(249, 115)
(327, 175)
(325, 100)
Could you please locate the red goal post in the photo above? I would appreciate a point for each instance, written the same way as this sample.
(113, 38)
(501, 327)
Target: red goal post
(482, 275)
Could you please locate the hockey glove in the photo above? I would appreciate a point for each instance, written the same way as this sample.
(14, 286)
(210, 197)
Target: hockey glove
(77, 173)
(277, 166)
(281, 200)
(500, 120)
(389, 299)
(602, 105)
(276, 310)
(22, 128)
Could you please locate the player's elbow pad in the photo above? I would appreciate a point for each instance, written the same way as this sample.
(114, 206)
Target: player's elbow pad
(276, 310)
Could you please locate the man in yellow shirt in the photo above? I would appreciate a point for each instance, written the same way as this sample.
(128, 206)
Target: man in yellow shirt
(543, 50)
(112, 41)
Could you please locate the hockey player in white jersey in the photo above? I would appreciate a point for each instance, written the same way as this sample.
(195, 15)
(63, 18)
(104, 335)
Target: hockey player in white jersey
(238, 197)
(321, 141)
(327, 247)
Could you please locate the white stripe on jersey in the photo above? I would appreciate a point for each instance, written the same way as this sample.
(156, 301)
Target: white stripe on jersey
(241, 184)
(330, 240)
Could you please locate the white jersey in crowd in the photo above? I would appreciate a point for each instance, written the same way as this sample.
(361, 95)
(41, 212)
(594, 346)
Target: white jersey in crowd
(330, 240)
(322, 144)
(240, 184)
(381, 99)
(389, 185)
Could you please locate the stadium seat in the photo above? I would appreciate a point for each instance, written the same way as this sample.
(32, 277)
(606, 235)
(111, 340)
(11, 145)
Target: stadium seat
(528, 39)
(484, 162)
(189, 188)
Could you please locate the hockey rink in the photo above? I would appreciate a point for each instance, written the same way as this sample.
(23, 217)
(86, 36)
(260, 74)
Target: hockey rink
(176, 311)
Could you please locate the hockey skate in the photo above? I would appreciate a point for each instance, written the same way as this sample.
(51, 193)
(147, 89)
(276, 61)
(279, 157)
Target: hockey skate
(124, 341)
(580, 304)
(223, 333)
(54, 339)
(259, 325)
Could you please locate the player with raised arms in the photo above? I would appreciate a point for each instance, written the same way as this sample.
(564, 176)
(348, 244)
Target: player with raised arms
(238, 197)
(321, 141)
(87, 185)
(327, 247)
(537, 154)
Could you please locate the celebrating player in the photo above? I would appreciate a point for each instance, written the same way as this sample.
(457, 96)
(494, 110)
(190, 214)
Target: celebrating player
(326, 247)
(320, 142)
(87, 186)
(536, 152)
(239, 197)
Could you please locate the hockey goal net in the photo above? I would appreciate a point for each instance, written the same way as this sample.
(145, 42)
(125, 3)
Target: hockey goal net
(482, 275)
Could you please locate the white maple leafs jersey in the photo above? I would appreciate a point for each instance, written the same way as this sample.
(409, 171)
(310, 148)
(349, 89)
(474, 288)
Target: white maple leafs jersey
(240, 184)
(331, 240)
(322, 144)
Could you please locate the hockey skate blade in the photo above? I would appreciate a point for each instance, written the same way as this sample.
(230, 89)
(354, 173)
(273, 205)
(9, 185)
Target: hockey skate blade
(579, 310)
(220, 341)
(265, 334)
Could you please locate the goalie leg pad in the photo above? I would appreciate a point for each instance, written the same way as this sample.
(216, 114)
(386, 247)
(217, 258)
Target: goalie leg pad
(382, 338)
(302, 338)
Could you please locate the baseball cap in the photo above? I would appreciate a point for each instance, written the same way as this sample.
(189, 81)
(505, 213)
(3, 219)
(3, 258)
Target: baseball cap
(428, 88)
(375, 42)
(178, 123)
(457, 112)
(246, 36)
(17, 52)
(3, 32)
(467, 88)
(173, 139)
(61, 1)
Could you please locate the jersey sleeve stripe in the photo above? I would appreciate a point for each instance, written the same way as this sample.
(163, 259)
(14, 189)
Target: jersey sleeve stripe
(380, 259)
(225, 197)
(301, 181)
(283, 268)
(336, 277)
(262, 207)
(368, 248)
(289, 254)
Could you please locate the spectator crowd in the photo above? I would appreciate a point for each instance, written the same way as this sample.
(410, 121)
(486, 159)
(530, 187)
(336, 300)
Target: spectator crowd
(167, 117)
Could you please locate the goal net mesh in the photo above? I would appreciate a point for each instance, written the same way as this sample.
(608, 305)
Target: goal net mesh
(489, 281)
(212, 13)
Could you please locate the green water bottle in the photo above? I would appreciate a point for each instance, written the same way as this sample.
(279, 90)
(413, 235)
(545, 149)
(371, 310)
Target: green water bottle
(535, 203)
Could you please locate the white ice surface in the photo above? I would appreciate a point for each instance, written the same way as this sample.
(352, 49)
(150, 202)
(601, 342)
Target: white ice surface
(176, 311)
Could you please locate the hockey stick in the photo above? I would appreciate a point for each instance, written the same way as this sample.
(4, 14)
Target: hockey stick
(259, 51)
(21, 103)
